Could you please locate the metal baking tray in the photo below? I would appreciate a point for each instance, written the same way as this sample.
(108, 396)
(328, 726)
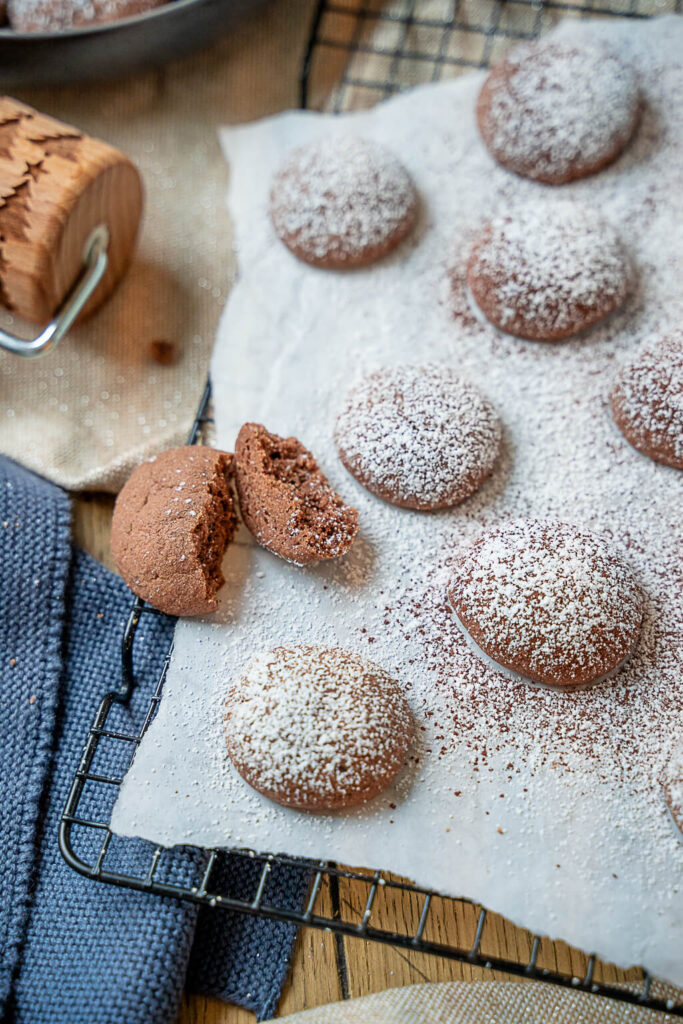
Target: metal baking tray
(118, 48)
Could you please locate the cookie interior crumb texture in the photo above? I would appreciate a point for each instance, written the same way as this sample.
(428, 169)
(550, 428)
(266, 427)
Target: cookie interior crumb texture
(548, 601)
(342, 202)
(286, 501)
(172, 523)
(558, 111)
(420, 437)
(647, 402)
(548, 270)
(317, 728)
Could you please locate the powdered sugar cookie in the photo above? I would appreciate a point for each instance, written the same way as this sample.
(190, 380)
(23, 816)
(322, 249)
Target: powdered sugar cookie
(342, 202)
(557, 111)
(647, 402)
(317, 728)
(548, 601)
(420, 437)
(548, 271)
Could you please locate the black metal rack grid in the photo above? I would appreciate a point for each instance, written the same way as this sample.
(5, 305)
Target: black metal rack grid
(426, 45)
(193, 874)
(362, 51)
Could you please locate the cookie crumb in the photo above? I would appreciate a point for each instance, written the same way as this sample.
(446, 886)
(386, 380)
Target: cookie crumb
(163, 352)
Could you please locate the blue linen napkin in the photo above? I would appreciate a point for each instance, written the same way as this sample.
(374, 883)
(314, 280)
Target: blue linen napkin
(75, 951)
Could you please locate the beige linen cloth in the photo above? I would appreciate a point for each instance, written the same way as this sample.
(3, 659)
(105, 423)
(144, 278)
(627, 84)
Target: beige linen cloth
(87, 413)
(479, 1002)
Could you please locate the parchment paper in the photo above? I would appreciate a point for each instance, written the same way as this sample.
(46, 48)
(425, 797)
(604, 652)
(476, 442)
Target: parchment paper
(543, 806)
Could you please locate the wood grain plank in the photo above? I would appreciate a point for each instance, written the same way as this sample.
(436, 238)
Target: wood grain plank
(91, 525)
(399, 911)
(205, 1010)
(372, 966)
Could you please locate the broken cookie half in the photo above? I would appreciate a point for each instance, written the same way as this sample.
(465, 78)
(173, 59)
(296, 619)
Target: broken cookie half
(286, 501)
(172, 522)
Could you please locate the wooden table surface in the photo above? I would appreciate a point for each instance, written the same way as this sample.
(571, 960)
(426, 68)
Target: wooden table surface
(326, 968)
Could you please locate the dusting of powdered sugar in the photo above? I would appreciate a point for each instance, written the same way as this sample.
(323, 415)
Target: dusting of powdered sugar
(512, 778)
(672, 787)
(647, 401)
(418, 436)
(341, 197)
(548, 601)
(555, 111)
(548, 270)
(317, 726)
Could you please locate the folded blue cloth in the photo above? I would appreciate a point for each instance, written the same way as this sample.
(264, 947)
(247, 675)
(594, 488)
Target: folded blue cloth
(73, 950)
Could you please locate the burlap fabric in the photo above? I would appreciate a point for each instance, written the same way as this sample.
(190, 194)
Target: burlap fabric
(479, 1002)
(85, 414)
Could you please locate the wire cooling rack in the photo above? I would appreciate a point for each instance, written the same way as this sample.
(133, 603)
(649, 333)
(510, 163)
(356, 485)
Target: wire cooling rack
(362, 51)
(348, 903)
(359, 51)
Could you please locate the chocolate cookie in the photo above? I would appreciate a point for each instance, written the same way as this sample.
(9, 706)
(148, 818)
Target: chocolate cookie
(317, 728)
(172, 522)
(672, 788)
(420, 437)
(286, 500)
(342, 202)
(59, 15)
(548, 271)
(647, 402)
(548, 601)
(557, 111)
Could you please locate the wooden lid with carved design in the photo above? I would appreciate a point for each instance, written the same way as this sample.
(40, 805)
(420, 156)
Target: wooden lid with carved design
(56, 185)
